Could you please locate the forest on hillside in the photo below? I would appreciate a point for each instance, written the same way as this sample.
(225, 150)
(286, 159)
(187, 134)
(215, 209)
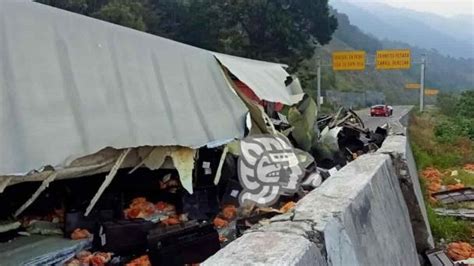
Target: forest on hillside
(448, 74)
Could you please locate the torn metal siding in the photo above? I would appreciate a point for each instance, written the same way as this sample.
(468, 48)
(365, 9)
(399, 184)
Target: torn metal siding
(72, 85)
(267, 80)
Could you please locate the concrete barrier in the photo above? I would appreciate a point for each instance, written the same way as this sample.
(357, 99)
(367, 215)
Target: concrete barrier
(359, 216)
(398, 147)
(269, 248)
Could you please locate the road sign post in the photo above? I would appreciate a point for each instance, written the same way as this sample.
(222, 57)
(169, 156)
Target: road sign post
(318, 100)
(422, 82)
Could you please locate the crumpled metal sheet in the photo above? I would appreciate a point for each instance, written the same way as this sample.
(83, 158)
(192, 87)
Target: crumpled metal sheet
(329, 141)
(460, 213)
(71, 85)
(267, 80)
(302, 119)
(183, 160)
(40, 250)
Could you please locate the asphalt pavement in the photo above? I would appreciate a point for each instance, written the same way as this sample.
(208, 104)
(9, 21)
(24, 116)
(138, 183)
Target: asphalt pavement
(374, 122)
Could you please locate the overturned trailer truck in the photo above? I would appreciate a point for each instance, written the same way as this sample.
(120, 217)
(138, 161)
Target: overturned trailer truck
(96, 117)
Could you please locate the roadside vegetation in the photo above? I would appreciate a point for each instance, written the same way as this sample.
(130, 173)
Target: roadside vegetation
(442, 139)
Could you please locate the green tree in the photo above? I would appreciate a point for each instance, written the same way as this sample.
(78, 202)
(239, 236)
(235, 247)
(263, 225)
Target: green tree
(466, 104)
(447, 104)
(126, 13)
(77, 6)
(276, 30)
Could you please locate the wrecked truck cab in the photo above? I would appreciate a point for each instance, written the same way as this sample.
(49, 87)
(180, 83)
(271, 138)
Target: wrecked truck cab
(344, 137)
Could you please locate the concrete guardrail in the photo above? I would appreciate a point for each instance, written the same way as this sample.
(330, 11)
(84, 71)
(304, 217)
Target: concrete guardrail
(371, 212)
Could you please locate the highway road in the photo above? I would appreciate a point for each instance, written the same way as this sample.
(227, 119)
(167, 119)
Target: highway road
(374, 122)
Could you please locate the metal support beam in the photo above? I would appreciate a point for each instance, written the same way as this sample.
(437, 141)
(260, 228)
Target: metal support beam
(318, 100)
(422, 82)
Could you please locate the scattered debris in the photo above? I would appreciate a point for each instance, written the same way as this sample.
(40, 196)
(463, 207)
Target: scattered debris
(223, 239)
(220, 223)
(9, 225)
(460, 251)
(86, 258)
(435, 187)
(460, 213)
(141, 208)
(44, 228)
(343, 137)
(80, 234)
(287, 207)
(438, 257)
(469, 168)
(455, 195)
(321, 146)
(189, 243)
(466, 262)
(433, 181)
(41, 250)
(113, 233)
(140, 261)
(229, 212)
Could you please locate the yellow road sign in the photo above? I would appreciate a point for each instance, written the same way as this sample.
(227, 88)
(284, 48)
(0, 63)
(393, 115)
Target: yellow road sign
(431, 92)
(412, 86)
(393, 59)
(348, 60)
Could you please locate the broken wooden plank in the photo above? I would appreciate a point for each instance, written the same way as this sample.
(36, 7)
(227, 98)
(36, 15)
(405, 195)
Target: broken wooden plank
(108, 180)
(459, 213)
(41, 188)
(438, 257)
(217, 177)
(455, 195)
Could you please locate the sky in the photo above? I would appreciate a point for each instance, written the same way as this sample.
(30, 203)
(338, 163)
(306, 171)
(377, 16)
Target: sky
(445, 8)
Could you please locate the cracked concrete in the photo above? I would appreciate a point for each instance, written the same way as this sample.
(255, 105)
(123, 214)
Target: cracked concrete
(357, 211)
(399, 150)
(269, 248)
(356, 217)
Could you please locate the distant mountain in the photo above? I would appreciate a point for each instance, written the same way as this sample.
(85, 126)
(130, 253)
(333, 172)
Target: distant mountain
(448, 74)
(450, 36)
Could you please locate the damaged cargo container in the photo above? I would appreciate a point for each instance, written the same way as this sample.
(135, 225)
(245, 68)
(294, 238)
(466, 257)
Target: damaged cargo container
(125, 148)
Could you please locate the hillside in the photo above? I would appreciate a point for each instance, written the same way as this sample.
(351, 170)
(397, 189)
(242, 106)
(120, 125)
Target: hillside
(420, 29)
(443, 72)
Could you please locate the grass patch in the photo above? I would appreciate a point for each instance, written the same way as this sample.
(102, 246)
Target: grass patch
(442, 146)
(427, 148)
(464, 177)
(448, 228)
